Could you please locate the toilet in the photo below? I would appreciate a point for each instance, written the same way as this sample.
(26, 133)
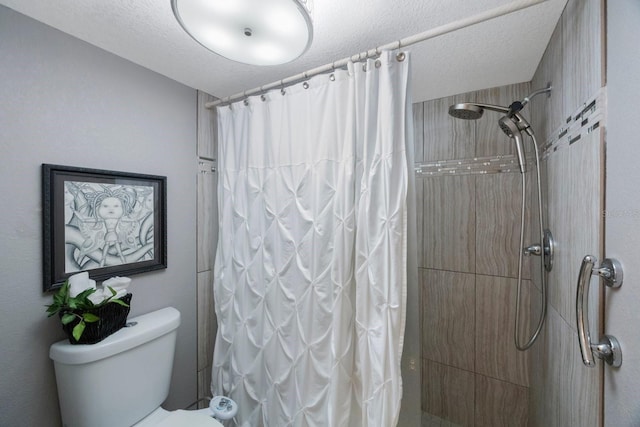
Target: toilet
(122, 380)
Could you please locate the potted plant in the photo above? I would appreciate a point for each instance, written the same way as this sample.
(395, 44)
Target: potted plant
(84, 321)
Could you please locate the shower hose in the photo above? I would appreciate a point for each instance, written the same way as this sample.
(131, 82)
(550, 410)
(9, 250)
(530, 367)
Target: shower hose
(543, 311)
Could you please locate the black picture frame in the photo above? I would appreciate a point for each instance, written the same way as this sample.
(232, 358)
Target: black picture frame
(107, 223)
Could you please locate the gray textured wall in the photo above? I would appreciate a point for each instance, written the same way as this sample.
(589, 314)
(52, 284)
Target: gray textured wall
(622, 316)
(63, 101)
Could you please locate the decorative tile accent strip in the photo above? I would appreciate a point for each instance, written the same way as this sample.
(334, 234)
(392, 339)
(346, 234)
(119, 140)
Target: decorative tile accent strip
(582, 122)
(474, 166)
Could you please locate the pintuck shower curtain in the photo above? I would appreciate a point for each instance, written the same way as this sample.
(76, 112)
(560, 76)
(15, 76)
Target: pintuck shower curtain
(310, 272)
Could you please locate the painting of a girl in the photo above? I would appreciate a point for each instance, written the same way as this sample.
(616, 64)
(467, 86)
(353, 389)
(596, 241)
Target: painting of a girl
(107, 224)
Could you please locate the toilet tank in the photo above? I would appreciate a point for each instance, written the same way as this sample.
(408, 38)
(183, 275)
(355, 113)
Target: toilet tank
(120, 380)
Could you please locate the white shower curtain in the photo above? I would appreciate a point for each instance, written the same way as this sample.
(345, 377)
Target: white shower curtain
(310, 272)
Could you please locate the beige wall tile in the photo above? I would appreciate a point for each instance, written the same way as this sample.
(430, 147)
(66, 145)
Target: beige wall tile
(448, 393)
(575, 219)
(418, 131)
(420, 219)
(555, 205)
(565, 386)
(429, 420)
(204, 386)
(207, 324)
(207, 127)
(207, 215)
(536, 266)
(587, 217)
(206, 239)
(448, 322)
(538, 366)
(490, 140)
(582, 45)
(496, 354)
(499, 403)
(547, 113)
(447, 138)
(449, 223)
(498, 210)
(581, 403)
(553, 375)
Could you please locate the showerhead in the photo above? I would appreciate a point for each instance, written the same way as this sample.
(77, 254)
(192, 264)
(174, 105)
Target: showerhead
(466, 111)
(474, 110)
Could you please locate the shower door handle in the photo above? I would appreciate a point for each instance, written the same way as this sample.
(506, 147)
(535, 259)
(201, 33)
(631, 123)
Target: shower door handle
(608, 348)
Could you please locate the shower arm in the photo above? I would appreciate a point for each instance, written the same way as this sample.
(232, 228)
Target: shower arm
(535, 93)
(516, 112)
(491, 107)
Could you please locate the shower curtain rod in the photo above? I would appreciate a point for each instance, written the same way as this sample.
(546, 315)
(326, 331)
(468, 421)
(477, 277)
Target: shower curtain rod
(372, 53)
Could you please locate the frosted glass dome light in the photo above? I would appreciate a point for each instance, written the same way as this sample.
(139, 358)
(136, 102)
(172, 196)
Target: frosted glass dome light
(257, 32)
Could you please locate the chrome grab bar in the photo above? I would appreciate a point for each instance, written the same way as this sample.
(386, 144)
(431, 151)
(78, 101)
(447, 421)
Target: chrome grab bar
(608, 349)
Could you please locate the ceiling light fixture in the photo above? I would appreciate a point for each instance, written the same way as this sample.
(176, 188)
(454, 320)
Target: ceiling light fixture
(257, 32)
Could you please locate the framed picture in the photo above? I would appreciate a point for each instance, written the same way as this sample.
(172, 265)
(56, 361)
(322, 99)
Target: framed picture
(104, 222)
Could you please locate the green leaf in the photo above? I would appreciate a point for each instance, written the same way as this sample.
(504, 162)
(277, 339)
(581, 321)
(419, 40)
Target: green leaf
(72, 303)
(84, 294)
(113, 291)
(78, 330)
(64, 289)
(90, 317)
(117, 301)
(58, 299)
(52, 309)
(68, 318)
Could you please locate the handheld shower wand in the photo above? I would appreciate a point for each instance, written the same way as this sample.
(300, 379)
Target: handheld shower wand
(511, 129)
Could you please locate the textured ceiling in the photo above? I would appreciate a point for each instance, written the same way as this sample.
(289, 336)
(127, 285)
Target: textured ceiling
(501, 51)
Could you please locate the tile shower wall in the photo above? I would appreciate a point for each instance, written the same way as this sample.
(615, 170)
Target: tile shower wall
(207, 236)
(469, 229)
(563, 392)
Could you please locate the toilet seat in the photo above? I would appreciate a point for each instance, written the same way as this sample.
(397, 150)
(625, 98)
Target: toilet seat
(180, 418)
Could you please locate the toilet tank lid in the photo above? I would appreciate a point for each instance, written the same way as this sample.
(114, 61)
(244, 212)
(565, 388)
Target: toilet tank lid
(147, 328)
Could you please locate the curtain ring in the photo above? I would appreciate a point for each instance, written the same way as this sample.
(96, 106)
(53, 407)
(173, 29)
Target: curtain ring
(246, 102)
(332, 77)
(378, 63)
(263, 98)
(400, 57)
(364, 67)
(305, 85)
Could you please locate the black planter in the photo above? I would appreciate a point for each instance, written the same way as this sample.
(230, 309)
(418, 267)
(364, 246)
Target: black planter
(111, 316)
